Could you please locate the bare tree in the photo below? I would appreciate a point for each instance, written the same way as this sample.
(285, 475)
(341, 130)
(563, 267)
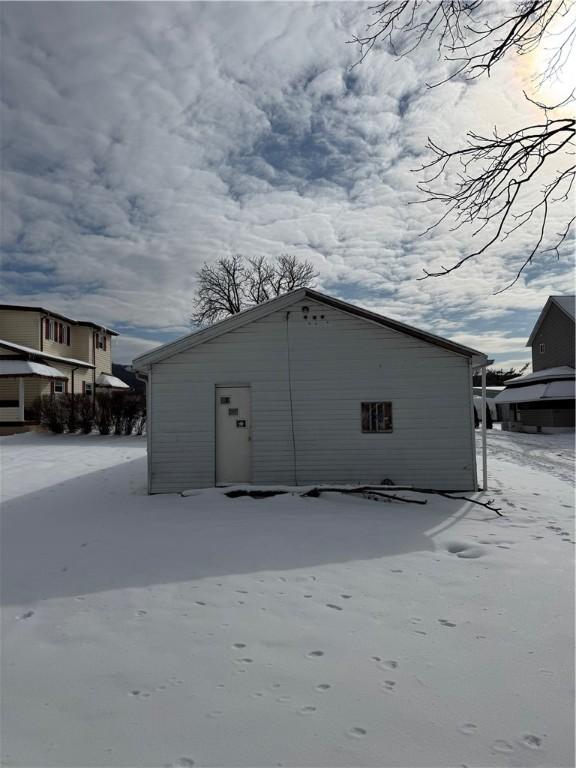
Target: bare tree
(236, 283)
(503, 180)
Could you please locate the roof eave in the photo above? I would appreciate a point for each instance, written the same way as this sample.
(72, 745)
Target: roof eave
(59, 316)
(143, 362)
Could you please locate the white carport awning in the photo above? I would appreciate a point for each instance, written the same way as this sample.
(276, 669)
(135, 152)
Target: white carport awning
(26, 368)
(111, 382)
(555, 390)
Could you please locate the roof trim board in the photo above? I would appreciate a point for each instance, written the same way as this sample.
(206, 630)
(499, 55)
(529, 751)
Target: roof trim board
(283, 302)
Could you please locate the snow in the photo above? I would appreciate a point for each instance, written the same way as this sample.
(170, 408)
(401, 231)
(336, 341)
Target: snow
(40, 353)
(27, 368)
(208, 631)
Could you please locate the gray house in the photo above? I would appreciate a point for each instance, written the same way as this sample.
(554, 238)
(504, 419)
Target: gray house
(543, 401)
(309, 389)
(552, 339)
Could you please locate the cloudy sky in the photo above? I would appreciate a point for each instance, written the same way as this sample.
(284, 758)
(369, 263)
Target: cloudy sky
(140, 140)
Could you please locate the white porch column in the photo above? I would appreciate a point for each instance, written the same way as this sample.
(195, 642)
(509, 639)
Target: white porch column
(20, 399)
(484, 448)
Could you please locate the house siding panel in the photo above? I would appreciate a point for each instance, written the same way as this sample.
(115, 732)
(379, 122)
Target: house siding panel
(557, 334)
(20, 327)
(336, 363)
(103, 357)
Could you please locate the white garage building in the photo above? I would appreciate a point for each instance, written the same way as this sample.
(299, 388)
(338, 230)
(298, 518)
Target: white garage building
(309, 389)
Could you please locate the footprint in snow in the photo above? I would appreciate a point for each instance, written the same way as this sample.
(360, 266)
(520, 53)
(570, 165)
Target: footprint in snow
(307, 710)
(502, 746)
(465, 550)
(346, 597)
(140, 694)
(357, 733)
(468, 729)
(182, 762)
(322, 687)
(239, 645)
(530, 741)
(446, 623)
(334, 607)
(396, 570)
(314, 654)
(26, 615)
(389, 685)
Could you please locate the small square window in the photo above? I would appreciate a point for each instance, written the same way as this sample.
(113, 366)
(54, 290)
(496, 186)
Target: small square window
(377, 417)
(224, 400)
(88, 388)
(542, 348)
(59, 387)
(232, 411)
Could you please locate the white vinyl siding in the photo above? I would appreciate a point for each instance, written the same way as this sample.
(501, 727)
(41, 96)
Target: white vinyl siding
(336, 364)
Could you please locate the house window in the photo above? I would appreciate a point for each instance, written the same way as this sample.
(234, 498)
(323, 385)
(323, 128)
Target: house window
(55, 331)
(101, 341)
(542, 348)
(59, 387)
(87, 388)
(376, 417)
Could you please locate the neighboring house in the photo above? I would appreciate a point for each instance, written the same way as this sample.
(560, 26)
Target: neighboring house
(552, 340)
(543, 401)
(43, 352)
(309, 389)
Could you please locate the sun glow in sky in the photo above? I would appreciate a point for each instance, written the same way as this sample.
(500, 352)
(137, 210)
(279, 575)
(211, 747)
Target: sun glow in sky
(556, 52)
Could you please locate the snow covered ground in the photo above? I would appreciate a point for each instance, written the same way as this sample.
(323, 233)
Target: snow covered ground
(158, 631)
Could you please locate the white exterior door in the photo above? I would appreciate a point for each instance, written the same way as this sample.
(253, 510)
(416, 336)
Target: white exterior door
(233, 429)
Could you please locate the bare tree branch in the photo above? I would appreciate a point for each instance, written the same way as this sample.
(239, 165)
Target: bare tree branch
(236, 283)
(503, 181)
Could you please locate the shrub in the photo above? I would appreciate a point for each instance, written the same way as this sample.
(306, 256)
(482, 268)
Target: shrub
(71, 412)
(117, 410)
(52, 412)
(86, 413)
(141, 423)
(104, 418)
(127, 410)
(133, 407)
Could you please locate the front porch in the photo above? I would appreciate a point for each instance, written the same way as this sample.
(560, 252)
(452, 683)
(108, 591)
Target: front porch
(19, 378)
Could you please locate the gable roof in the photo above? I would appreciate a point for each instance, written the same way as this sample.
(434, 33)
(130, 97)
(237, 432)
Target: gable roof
(567, 304)
(50, 313)
(32, 353)
(281, 302)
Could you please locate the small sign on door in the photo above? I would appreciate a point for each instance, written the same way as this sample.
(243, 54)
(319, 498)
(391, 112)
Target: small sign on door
(240, 422)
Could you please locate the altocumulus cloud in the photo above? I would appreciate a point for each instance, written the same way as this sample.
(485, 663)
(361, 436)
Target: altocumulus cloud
(140, 140)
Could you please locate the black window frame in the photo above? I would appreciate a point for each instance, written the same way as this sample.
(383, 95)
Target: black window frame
(376, 417)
